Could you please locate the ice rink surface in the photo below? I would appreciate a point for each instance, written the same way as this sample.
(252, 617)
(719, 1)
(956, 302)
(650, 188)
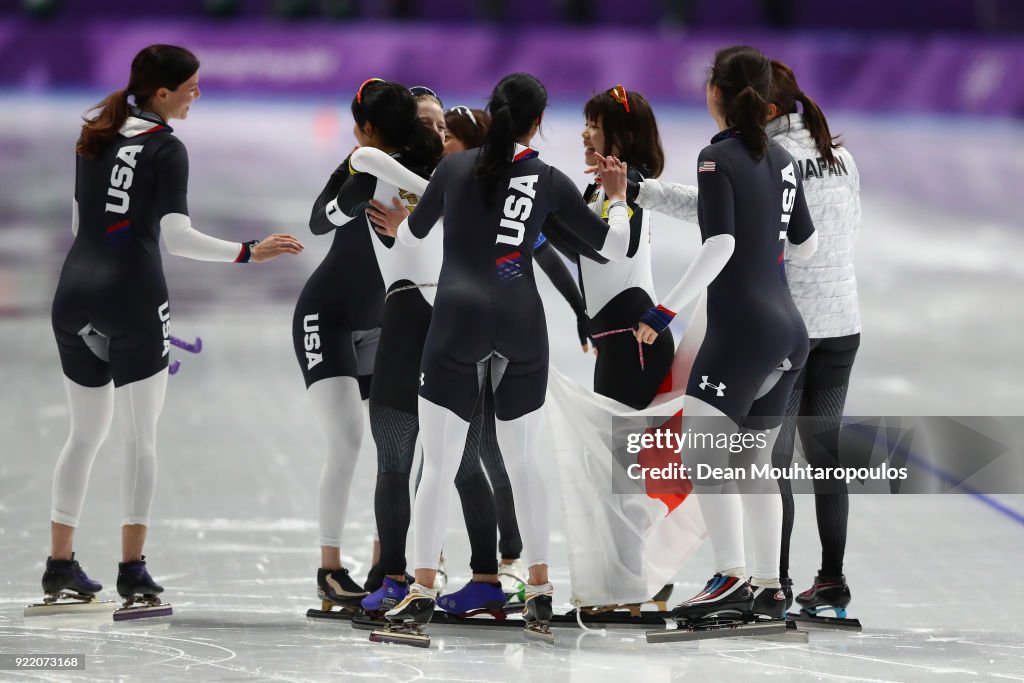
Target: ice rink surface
(936, 579)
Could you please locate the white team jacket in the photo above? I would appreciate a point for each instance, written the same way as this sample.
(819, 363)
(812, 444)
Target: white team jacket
(824, 287)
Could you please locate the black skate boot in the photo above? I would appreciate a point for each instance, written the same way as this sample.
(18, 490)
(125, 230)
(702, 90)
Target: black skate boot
(727, 598)
(67, 588)
(407, 619)
(787, 589)
(827, 593)
(336, 588)
(139, 591)
(537, 612)
(726, 608)
(769, 603)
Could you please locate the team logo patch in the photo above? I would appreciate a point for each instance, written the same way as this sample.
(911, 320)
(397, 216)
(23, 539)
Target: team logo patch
(719, 388)
(509, 266)
(706, 167)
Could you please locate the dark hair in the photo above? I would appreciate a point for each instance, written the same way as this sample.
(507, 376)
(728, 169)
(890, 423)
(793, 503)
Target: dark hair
(470, 129)
(786, 93)
(391, 108)
(635, 132)
(516, 103)
(744, 77)
(155, 67)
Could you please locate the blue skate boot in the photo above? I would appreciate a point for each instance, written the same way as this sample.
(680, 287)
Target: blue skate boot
(385, 598)
(476, 597)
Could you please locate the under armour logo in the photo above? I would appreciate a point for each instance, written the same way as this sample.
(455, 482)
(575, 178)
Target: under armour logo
(421, 378)
(720, 388)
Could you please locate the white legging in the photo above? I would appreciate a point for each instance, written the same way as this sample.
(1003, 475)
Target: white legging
(92, 409)
(443, 434)
(724, 512)
(339, 410)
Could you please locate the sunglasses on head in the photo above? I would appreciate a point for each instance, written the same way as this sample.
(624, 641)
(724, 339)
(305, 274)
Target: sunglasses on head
(618, 93)
(463, 110)
(418, 90)
(368, 81)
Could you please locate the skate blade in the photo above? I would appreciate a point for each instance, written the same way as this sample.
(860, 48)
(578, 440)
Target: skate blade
(793, 634)
(497, 614)
(160, 609)
(838, 623)
(340, 615)
(73, 606)
(539, 632)
(717, 629)
(400, 636)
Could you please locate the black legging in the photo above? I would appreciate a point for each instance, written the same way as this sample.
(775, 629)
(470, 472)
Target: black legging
(818, 399)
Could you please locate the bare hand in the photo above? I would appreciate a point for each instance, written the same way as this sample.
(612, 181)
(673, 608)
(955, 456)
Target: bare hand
(273, 246)
(645, 333)
(386, 220)
(613, 177)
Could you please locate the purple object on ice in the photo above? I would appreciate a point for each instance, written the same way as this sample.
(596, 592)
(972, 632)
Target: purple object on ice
(195, 347)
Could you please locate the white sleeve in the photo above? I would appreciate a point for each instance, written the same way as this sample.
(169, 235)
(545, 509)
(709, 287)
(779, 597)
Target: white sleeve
(184, 240)
(711, 259)
(804, 250)
(670, 199)
(616, 243)
(74, 217)
(384, 167)
(405, 234)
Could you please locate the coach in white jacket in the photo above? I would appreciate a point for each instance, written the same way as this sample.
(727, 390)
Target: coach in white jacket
(824, 288)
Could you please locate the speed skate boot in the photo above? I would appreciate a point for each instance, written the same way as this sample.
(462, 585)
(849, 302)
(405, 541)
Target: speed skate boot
(407, 619)
(787, 589)
(537, 612)
(724, 598)
(335, 587)
(140, 592)
(769, 603)
(827, 593)
(513, 579)
(389, 594)
(476, 597)
(67, 588)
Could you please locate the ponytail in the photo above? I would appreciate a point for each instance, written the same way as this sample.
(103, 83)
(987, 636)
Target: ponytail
(786, 93)
(498, 149)
(748, 112)
(517, 101)
(743, 76)
(111, 114)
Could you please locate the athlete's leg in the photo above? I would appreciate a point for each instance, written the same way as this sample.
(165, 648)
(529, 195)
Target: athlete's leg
(394, 433)
(782, 457)
(828, 375)
(338, 408)
(92, 410)
(763, 506)
(138, 405)
(722, 512)
(478, 508)
(444, 441)
(510, 543)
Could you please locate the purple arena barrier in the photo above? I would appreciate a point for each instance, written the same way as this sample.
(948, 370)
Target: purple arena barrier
(857, 72)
